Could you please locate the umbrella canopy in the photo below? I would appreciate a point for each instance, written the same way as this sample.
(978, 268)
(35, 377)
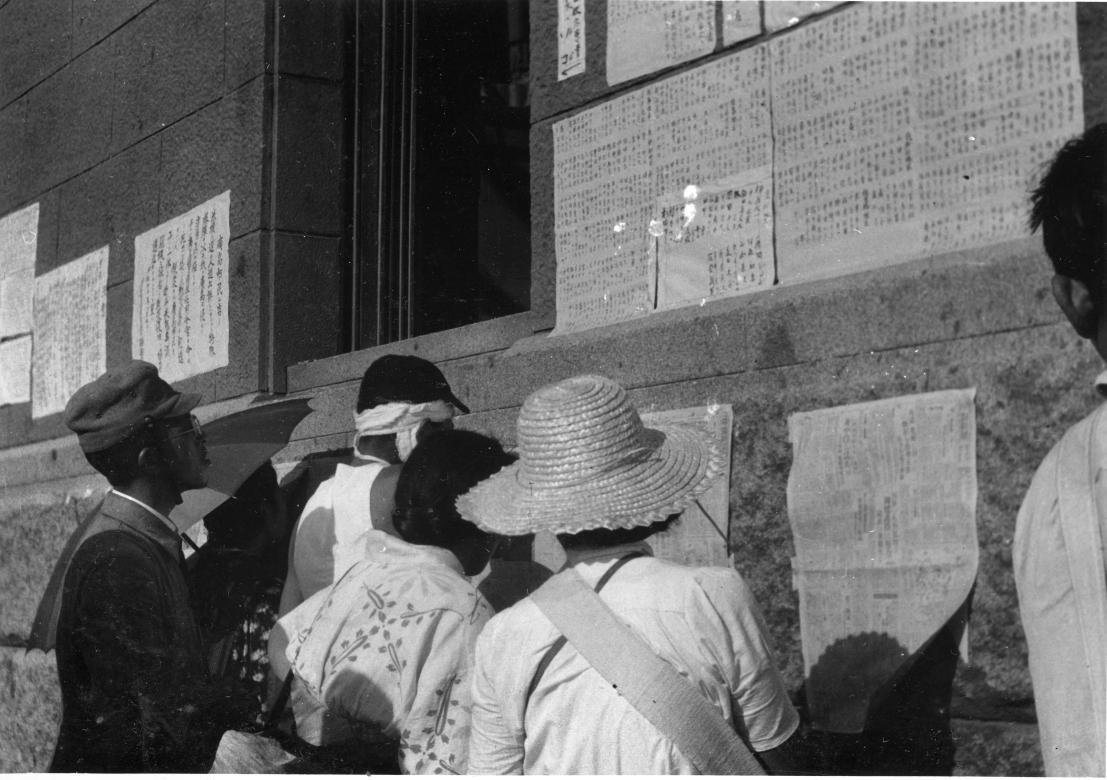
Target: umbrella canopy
(237, 445)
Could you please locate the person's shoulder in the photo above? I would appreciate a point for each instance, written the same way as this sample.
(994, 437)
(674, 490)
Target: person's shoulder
(115, 544)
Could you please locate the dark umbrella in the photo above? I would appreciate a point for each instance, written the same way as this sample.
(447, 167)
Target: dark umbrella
(237, 445)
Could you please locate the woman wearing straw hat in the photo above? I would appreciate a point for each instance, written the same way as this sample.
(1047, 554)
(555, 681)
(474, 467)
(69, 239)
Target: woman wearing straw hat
(590, 472)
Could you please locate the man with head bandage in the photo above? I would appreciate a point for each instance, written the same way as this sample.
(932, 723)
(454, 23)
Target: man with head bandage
(402, 399)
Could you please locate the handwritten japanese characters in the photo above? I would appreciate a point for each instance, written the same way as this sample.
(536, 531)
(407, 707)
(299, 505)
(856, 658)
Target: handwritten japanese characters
(181, 292)
(571, 50)
(648, 35)
(18, 248)
(70, 336)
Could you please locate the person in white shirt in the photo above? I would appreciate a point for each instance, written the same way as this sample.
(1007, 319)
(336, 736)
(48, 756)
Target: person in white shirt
(1058, 553)
(388, 649)
(590, 472)
(401, 399)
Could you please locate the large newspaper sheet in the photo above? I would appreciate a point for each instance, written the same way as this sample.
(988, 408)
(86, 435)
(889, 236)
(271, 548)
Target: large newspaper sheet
(882, 503)
(785, 13)
(909, 129)
(644, 36)
(741, 20)
(571, 45)
(15, 370)
(18, 247)
(700, 537)
(621, 166)
(181, 292)
(70, 337)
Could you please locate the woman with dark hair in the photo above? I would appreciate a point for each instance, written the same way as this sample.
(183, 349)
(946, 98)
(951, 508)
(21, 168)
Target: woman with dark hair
(386, 652)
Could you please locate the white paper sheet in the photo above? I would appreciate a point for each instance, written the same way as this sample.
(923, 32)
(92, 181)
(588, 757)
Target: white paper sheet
(612, 163)
(70, 336)
(700, 536)
(181, 292)
(741, 20)
(882, 503)
(905, 130)
(18, 248)
(571, 46)
(644, 36)
(15, 371)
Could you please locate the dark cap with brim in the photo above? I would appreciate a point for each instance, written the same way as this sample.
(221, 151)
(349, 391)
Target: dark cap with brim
(404, 378)
(117, 403)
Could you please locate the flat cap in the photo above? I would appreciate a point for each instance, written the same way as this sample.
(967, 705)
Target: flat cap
(111, 407)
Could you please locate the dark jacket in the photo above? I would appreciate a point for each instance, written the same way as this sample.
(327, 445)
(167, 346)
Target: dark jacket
(135, 692)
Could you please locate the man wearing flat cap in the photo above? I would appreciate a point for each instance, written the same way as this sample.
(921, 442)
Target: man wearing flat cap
(135, 692)
(402, 399)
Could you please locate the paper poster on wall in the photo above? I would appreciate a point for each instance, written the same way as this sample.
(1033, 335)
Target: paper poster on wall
(785, 13)
(882, 504)
(905, 130)
(181, 292)
(70, 336)
(613, 163)
(741, 20)
(571, 51)
(644, 36)
(18, 248)
(717, 240)
(700, 537)
(15, 370)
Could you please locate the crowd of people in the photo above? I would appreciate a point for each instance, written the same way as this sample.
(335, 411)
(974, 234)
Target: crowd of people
(369, 631)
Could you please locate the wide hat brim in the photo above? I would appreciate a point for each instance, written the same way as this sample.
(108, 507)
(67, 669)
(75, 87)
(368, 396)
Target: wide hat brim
(664, 481)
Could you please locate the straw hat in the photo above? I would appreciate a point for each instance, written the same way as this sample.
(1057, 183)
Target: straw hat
(586, 461)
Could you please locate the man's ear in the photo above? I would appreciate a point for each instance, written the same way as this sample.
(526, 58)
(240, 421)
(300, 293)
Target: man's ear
(1077, 303)
(150, 459)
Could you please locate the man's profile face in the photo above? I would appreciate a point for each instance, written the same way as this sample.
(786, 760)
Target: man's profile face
(185, 452)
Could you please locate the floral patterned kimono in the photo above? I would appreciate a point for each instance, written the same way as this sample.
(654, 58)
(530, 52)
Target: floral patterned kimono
(389, 649)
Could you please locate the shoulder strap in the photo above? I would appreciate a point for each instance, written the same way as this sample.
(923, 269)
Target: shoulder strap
(1080, 528)
(649, 684)
(555, 648)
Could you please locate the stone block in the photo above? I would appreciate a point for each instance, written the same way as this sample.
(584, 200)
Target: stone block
(111, 204)
(246, 27)
(33, 529)
(221, 147)
(14, 179)
(550, 96)
(310, 157)
(69, 120)
(543, 254)
(308, 292)
(30, 710)
(313, 36)
(94, 20)
(247, 320)
(996, 749)
(34, 42)
(168, 64)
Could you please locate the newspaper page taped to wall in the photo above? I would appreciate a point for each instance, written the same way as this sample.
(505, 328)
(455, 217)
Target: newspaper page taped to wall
(182, 290)
(700, 537)
(644, 36)
(70, 337)
(904, 130)
(882, 504)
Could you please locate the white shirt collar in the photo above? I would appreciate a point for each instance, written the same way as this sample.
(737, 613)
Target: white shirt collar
(1101, 383)
(172, 526)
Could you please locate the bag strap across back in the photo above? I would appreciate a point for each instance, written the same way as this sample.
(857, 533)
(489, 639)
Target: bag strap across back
(649, 684)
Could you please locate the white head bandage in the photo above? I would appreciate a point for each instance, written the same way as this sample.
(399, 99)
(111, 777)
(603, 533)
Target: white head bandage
(400, 418)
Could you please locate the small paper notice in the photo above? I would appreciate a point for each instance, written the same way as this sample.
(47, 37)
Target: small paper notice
(570, 39)
(70, 337)
(181, 292)
(882, 503)
(699, 537)
(644, 36)
(18, 247)
(15, 371)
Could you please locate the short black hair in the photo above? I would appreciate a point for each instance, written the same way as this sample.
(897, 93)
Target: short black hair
(119, 462)
(1070, 206)
(441, 468)
(612, 537)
